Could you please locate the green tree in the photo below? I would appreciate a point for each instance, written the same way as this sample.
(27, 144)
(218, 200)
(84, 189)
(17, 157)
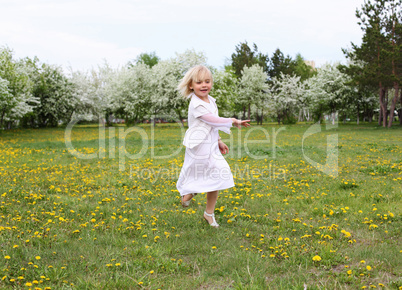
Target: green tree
(280, 64)
(380, 51)
(303, 70)
(150, 59)
(247, 57)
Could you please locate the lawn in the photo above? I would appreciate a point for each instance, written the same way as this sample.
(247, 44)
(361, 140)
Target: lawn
(114, 221)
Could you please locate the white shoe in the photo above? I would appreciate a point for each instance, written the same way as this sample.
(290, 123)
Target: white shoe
(187, 202)
(214, 223)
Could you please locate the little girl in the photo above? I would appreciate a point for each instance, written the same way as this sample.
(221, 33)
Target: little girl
(204, 168)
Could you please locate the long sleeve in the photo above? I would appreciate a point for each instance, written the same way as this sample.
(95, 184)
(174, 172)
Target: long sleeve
(222, 124)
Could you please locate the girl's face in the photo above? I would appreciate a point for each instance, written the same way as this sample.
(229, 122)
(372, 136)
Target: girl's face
(201, 88)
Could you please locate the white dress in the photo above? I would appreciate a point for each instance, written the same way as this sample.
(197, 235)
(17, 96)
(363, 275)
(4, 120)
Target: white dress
(204, 168)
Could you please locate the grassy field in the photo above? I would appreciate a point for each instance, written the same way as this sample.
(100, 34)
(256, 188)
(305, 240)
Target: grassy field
(114, 221)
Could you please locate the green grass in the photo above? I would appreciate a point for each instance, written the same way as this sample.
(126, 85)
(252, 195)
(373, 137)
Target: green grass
(97, 225)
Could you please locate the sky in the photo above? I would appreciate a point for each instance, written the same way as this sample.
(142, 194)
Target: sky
(84, 34)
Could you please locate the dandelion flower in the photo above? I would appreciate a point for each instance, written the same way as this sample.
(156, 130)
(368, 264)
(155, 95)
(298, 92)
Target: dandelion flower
(316, 258)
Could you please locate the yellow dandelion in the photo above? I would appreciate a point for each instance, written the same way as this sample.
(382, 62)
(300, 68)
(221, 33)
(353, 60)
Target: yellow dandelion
(316, 258)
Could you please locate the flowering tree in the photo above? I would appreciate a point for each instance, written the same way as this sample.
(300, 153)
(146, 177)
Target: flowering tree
(253, 90)
(15, 80)
(288, 95)
(6, 99)
(225, 90)
(55, 93)
(90, 91)
(188, 59)
(328, 91)
(129, 93)
(85, 93)
(164, 95)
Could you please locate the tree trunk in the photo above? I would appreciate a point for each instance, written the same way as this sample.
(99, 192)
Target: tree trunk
(257, 117)
(107, 115)
(393, 105)
(400, 110)
(400, 116)
(383, 107)
(249, 112)
(358, 114)
(180, 117)
(379, 116)
(262, 115)
(2, 118)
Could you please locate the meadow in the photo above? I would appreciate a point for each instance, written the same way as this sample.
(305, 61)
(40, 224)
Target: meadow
(114, 219)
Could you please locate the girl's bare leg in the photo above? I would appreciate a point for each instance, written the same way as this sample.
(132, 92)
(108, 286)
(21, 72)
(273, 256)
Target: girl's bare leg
(187, 197)
(212, 197)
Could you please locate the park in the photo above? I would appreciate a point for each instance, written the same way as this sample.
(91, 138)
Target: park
(90, 159)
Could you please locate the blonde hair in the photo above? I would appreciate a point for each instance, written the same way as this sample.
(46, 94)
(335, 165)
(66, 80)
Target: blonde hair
(194, 74)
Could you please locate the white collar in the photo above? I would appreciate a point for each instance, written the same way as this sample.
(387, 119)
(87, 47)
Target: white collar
(197, 101)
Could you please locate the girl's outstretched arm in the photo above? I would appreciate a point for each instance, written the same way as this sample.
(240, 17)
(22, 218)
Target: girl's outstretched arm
(222, 124)
(215, 121)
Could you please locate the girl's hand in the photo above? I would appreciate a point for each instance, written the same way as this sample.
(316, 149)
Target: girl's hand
(223, 147)
(239, 123)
